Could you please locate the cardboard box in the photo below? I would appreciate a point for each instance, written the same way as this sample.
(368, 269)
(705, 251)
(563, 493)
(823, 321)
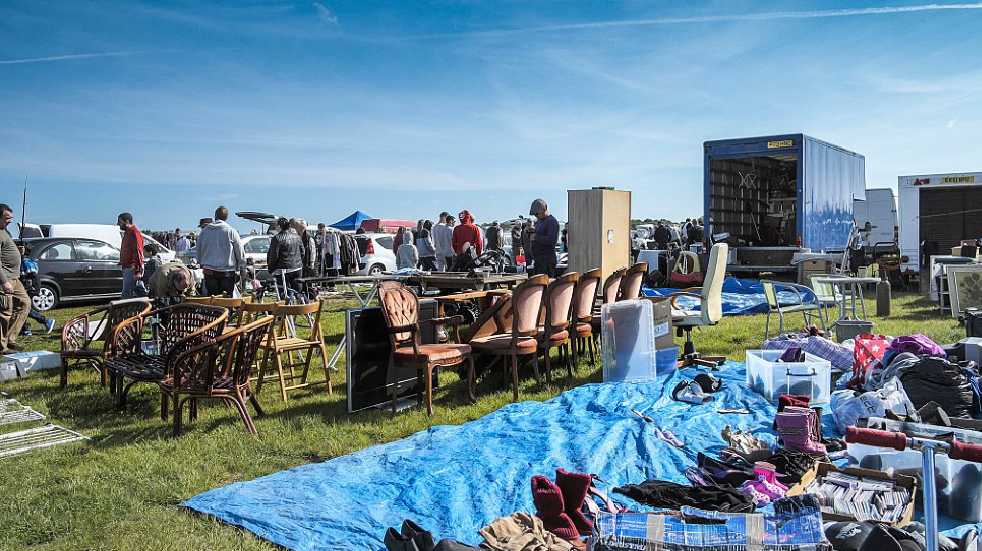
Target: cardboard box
(31, 361)
(821, 469)
(662, 314)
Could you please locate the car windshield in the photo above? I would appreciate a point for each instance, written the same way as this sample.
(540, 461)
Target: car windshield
(257, 246)
(96, 251)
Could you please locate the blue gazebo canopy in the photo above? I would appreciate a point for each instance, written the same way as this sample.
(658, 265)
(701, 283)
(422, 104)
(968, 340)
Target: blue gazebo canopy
(352, 222)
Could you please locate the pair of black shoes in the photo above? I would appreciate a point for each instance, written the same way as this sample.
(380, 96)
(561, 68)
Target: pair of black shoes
(413, 538)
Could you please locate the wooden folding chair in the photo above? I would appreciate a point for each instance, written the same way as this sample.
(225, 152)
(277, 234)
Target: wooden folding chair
(287, 350)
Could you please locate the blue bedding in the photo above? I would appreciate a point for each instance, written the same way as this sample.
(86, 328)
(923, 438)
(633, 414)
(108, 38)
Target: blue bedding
(740, 297)
(456, 479)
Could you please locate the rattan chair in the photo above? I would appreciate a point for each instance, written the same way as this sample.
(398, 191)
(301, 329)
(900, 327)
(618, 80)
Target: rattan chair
(177, 329)
(286, 349)
(554, 333)
(400, 307)
(80, 335)
(526, 301)
(218, 370)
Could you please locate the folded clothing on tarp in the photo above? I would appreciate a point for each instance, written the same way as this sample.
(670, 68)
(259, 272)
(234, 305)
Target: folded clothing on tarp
(841, 357)
(740, 297)
(669, 495)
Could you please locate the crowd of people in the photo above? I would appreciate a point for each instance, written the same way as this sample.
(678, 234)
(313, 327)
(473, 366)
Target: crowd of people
(456, 243)
(691, 232)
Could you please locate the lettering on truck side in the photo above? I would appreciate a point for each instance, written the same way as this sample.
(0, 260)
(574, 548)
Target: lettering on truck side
(778, 144)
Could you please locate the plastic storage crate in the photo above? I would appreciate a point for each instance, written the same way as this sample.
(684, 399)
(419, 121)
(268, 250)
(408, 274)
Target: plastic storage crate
(628, 332)
(958, 482)
(771, 378)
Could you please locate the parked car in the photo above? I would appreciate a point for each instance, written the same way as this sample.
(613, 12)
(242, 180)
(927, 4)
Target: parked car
(73, 269)
(376, 251)
(107, 233)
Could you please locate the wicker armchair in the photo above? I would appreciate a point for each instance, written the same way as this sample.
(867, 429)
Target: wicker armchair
(178, 328)
(218, 370)
(85, 339)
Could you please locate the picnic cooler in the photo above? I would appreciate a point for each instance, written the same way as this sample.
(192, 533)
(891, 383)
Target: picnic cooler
(771, 378)
(958, 481)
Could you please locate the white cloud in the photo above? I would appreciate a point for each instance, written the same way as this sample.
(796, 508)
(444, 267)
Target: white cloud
(325, 14)
(952, 123)
(68, 57)
(762, 16)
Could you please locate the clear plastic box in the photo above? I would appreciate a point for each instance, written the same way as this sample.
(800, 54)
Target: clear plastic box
(958, 482)
(771, 378)
(628, 332)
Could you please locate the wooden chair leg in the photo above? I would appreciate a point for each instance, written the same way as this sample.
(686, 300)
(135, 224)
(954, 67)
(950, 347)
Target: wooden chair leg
(514, 376)
(429, 391)
(277, 358)
(471, 376)
(164, 400)
(570, 357)
(178, 414)
(64, 374)
(244, 414)
(767, 325)
(548, 356)
(574, 344)
(327, 369)
(193, 410)
(262, 371)
(256, 406)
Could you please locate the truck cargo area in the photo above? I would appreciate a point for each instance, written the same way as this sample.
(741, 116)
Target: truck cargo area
(754, 199)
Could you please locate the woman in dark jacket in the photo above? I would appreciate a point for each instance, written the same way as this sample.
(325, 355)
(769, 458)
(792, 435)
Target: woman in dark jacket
(284, 260)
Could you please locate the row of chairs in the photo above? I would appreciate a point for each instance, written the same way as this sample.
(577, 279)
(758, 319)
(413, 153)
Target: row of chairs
(536, 317)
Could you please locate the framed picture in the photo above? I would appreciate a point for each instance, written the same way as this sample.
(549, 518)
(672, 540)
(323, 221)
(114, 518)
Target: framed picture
(964, 287)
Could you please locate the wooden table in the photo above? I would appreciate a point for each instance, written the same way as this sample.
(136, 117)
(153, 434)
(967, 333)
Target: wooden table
(460, 281)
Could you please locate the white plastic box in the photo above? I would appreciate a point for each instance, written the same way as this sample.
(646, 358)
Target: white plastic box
(771, 378)
(958, 482)
(628, 332)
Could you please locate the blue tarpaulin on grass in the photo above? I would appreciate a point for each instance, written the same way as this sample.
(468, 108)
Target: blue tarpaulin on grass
(453, 480)
(740, 297)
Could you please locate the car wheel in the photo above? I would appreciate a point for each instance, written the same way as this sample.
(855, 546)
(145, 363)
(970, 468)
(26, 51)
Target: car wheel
(376, 269)
(46, 299)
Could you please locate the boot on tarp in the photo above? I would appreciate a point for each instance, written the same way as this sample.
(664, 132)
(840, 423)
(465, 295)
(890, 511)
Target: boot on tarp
(551, 508)
(575, 488)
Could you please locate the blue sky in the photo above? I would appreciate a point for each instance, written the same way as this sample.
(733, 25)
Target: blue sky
(404, 109)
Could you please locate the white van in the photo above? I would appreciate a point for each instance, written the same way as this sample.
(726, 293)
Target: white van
(107, 233)
(880, 210)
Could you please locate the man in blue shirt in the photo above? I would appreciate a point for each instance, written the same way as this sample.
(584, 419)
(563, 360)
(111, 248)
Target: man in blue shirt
(544, 239)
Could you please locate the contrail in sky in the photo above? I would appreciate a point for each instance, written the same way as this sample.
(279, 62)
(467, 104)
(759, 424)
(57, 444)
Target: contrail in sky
(762, 16)
(72, 56)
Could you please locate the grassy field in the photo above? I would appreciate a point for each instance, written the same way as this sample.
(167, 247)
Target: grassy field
(122, 489)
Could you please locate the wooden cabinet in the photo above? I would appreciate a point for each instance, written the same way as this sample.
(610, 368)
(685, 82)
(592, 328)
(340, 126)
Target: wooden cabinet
(599, 229)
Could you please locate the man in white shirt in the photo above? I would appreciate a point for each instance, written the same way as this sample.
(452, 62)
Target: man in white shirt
(220, 255)
(443, 241)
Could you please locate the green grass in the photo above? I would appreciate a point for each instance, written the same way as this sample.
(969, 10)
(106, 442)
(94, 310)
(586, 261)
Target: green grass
(121, 490)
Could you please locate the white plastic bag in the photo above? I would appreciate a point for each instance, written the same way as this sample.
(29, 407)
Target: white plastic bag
(848, 408)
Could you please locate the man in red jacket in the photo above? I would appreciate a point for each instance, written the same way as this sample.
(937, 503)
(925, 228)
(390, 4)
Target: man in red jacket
(130, 254)
(466, 233)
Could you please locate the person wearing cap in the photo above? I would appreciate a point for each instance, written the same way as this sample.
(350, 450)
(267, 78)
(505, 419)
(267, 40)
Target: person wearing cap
(467, 233)
(544, 239)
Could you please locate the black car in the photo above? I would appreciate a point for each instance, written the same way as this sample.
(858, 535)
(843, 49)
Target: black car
(75, 269)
